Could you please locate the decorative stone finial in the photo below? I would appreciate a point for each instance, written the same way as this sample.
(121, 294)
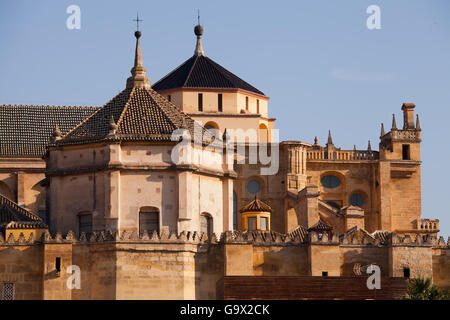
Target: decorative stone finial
(316, 141)
(394, 124)
(369, 147)
(198, 30)
(138, 72)
(330, 140)
(57, 135)
(418, 123)
(112, 127)
(382, 130)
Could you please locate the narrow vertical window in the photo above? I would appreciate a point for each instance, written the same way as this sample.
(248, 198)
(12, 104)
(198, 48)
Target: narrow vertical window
(169, 97)
(257, 106)
(148, 220)
(406, 152)
(200, 102)
(219, 102)
(263, 223)
(246, 103)
(58, 264)
(85, 223)
(406, 273)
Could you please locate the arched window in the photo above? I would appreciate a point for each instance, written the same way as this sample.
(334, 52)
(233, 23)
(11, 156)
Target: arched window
(148, 220)
(85, 222)
(263, 133)
(206, 224)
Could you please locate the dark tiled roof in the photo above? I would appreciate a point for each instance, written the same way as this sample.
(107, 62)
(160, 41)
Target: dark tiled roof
(14, 216)
(26, 129)
(140, 114)
(256, 205)
(202, 72)
(321, 226)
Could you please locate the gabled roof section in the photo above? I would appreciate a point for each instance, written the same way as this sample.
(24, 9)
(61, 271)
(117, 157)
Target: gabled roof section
(12, 215)
(26, 129)
(321, 225)
(200, 71)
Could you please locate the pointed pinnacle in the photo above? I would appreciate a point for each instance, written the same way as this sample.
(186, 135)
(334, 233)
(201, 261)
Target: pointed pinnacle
(394, 124)
(417, 122)
(369, 147)
(330, 140)
(382, 130)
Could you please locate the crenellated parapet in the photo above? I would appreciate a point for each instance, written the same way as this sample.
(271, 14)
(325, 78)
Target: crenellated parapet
(357, 237)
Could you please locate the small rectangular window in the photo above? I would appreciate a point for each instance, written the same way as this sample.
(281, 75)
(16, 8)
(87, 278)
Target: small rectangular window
(219, 102)
(58, 264)
(406, 273)
(169, 97)
(257, 106)
(200, 102)
(251, 223)
(246, 103)
(324, 273)
(263, 223)
(405, 152)
(8, 291)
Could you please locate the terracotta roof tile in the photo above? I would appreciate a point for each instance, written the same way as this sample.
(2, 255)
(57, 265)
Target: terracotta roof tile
(139, 114)
(12, 215)
(256, 205)
(26, 129)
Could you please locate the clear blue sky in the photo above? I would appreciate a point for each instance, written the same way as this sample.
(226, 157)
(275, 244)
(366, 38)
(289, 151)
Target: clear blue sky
(321, 66)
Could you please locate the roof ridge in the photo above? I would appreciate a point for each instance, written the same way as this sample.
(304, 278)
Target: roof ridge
(125, 108)
(173, 71)
(92, 114)
(163, 109)
(192, 68)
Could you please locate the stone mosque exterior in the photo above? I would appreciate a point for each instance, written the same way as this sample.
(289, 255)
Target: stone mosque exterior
(109, 190)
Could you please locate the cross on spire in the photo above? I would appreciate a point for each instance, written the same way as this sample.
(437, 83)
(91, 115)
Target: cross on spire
(138, 20)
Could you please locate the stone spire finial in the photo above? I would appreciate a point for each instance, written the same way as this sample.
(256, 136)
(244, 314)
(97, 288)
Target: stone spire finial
(316, 141)
(382, 130)
(417, 123)
(330, 139)
(369, 147)
(198, 30)
(354, 147)
(138, 77)
(394, 124)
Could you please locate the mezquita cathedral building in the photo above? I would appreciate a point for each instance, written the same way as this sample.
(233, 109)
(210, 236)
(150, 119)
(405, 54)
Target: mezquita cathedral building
(180, 189)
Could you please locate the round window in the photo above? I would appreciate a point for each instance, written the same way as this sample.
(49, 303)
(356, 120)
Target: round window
(253, 186)
(330, 181)
(357, 199)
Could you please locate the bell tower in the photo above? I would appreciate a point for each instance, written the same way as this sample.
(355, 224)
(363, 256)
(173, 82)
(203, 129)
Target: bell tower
(398, 182)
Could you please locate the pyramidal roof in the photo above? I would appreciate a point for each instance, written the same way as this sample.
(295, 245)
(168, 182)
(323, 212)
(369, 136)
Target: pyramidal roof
(256, 206)
(200, 71)
(138, 113)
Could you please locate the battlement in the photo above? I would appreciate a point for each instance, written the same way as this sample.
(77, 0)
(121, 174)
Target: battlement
(258, 238)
